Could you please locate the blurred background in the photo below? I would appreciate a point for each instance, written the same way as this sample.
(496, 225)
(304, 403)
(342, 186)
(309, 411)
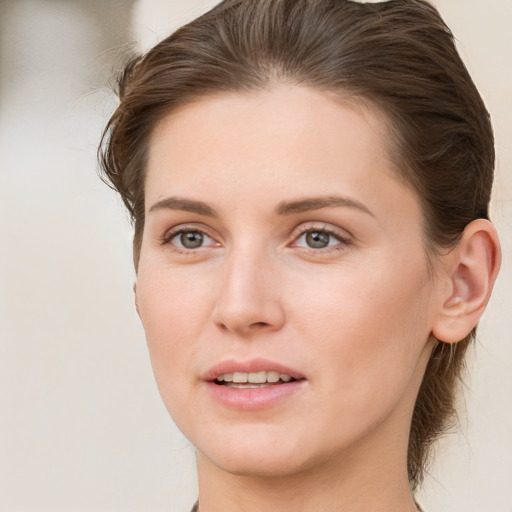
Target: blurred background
(82, 427)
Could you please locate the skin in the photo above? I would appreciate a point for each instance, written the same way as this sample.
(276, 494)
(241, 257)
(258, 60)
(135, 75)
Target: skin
(355, 317)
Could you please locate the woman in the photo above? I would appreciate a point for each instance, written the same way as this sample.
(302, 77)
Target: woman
(309, 182)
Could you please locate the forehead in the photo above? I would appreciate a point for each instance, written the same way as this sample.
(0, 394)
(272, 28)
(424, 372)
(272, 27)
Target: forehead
(280, 101)
(286, 141)
(292, 117)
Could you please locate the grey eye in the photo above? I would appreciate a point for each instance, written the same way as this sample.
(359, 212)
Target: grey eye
(191, 239)
(318, 239)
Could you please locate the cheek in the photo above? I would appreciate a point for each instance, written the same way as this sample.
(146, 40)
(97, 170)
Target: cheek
(171, 319)
(174, 308)
(365, 297)
(370, 325)
(172, 301)
(367, 336)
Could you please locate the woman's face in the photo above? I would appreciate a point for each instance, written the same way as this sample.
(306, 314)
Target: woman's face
(279, 244)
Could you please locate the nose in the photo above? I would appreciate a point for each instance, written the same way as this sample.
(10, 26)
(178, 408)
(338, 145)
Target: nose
(249, 296)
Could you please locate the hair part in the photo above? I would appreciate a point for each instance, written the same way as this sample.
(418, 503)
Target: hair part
(398, 56)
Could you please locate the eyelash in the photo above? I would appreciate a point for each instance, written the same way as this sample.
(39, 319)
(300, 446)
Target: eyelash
(175, 232)
(302, 231)
(343, 241)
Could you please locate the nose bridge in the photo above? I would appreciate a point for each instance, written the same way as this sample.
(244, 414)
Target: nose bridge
(248, 297)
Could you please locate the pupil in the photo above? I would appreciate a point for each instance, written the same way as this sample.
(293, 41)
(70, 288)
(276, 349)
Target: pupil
(191, 239)
(317, 239)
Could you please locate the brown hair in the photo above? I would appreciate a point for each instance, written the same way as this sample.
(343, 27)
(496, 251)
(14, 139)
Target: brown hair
(398, 56)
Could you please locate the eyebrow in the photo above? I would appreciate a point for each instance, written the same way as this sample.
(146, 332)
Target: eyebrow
(283, 208)
(186, 205)
(316, 203)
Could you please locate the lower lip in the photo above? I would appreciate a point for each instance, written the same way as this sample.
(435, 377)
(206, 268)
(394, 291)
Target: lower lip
(253, 399)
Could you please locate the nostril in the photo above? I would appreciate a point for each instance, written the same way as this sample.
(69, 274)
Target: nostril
(259, 324)
(253, 326)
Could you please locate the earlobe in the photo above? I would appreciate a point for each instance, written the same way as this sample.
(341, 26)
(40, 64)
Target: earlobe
(472, 269)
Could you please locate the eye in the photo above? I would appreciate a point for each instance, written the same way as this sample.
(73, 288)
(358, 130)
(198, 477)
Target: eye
(318, 239)
(189, 239)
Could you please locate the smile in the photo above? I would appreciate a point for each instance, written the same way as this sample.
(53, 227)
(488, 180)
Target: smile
(255, 384)
(252, 380)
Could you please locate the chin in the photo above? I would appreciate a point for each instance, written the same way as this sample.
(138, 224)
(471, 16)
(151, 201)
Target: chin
(269, 465)
(262, 455)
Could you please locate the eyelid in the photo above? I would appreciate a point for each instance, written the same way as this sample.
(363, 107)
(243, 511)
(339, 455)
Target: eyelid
(304, 227)
(345, 237)
(171, 233)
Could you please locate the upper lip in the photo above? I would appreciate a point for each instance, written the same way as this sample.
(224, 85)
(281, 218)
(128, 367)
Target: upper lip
(249, 366)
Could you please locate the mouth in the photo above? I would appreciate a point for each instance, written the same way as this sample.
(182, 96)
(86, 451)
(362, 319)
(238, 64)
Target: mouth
(253, 380)
(251, 385)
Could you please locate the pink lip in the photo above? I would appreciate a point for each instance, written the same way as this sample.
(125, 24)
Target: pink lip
(251, 399)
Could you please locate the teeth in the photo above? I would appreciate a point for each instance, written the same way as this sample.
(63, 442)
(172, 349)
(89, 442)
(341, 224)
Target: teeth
(254, 378)
(272, 376)
(257, 378)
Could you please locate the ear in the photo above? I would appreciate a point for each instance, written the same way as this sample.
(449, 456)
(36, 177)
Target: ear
(135, 297)
(471, 269)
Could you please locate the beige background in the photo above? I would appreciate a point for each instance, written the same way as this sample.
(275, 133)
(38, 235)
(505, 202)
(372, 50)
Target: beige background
(82, 427)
